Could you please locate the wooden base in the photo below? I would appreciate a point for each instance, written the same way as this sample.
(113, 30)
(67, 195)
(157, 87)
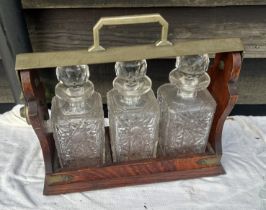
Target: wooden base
(64, 180)
(143, 172)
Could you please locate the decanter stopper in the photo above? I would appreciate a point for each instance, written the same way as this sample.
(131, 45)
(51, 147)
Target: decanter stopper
(190, 74)
(74, 85)
(131, 78)
(193, 64)
(131, 71)
(72, 76)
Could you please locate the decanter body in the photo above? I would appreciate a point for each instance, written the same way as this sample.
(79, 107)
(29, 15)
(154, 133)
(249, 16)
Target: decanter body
(77, 119)
(133, 113)
(186, 107)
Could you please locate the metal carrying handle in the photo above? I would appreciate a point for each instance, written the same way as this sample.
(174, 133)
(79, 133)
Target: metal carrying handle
(132, 19)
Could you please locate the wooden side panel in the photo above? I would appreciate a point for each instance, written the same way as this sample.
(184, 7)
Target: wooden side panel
(38, 113)
(224, 74)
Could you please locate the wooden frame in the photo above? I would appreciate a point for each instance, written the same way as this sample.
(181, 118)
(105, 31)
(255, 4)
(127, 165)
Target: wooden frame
(224, 74)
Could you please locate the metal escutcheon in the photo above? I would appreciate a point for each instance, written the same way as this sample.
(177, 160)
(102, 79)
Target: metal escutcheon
(24, 112)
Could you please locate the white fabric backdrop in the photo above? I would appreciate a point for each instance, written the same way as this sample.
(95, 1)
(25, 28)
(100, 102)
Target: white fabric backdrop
(244, 159)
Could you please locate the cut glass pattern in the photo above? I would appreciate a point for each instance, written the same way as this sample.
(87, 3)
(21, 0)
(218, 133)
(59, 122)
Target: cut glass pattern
(186, 107)
(133, 113)
(77, 119)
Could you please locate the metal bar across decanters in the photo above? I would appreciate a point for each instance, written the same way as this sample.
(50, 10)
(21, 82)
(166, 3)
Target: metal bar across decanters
(129, 53)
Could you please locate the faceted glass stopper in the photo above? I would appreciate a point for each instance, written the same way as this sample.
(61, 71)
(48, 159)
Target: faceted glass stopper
(193, 64)
(131, 78)
(190, 74)
(131, 70)
(72, 76)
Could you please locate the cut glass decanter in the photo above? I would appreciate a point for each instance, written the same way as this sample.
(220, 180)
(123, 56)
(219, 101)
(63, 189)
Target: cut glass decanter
(186, 107)
(133, 113)
(77, 119)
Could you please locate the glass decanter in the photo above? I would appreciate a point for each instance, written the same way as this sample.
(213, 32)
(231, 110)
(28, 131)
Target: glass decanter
(186, 107)
(77, 119)
(133, 113)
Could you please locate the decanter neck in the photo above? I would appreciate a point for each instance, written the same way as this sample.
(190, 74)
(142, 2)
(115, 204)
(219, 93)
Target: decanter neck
(74, 100)
(184, 93)
(75, 94)
(130, 100)
(76, 107)
(187, 86)
(75, 91)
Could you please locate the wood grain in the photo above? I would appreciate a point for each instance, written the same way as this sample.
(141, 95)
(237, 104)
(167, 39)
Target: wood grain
(145, 167)
(224, 75)
(41, 4)
(63, 29)
(127, 181)
(37, 114)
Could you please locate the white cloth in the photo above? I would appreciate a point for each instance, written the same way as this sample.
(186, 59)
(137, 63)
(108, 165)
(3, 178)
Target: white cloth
(244, 160)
